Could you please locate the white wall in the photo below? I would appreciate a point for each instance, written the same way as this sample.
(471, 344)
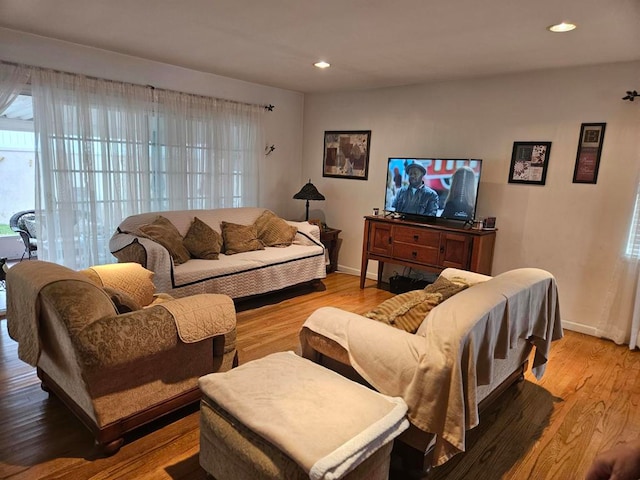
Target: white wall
(280, 174)
(573, 230)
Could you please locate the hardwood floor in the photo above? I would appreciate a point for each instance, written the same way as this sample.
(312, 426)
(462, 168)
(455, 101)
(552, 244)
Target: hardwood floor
(551, 429)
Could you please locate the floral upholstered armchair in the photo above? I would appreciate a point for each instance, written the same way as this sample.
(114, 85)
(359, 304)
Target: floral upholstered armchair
(113, 351)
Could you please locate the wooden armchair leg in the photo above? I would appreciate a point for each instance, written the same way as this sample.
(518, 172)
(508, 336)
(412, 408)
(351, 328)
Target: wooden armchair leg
(110, 448)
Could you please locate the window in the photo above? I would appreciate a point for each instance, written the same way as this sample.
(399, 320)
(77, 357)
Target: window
(633, 241)
(17, 167)
(109, 150)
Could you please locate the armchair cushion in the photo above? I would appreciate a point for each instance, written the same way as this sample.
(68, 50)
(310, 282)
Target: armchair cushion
(162, 231)
(202, 241)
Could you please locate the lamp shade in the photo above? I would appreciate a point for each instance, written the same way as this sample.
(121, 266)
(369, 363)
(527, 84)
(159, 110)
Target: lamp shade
(308, 192)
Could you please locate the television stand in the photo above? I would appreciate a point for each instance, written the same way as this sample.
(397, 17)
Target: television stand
(425, 246)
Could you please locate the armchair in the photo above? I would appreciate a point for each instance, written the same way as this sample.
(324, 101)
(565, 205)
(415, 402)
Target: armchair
(116, 371)
(23, 223)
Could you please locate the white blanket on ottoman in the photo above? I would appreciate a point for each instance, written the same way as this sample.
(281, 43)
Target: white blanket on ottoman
(325, 423)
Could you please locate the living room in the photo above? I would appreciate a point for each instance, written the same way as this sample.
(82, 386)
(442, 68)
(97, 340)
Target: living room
(575, 231)
(479, 118)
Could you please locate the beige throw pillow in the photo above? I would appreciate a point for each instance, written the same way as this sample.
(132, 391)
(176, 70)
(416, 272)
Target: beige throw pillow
(130, 278)
(273, 231)
(162, 231)
(202, 241)
(240, 238)
(408, 310)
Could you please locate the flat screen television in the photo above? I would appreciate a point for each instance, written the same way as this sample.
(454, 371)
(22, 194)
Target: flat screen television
(430, 188)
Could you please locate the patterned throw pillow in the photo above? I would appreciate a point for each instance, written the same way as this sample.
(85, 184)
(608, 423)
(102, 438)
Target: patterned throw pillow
(202, 241)
(273, 231)
(408, 310)
(162, 231)
(240, 238)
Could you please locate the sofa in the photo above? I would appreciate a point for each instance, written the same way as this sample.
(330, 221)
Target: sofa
(116, 353)
(463, 349)
(254, 270)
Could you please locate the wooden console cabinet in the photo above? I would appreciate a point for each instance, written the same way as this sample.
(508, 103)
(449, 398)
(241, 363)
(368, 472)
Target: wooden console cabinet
(424, 246)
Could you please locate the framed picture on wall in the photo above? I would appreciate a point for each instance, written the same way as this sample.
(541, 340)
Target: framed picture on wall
(529, 162)
(346, 154)
(589, 150)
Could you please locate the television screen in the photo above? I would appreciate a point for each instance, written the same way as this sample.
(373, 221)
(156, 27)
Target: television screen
(433, 187)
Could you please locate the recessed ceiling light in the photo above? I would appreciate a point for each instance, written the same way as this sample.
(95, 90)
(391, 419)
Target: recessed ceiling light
(561, 27)
(322, 64)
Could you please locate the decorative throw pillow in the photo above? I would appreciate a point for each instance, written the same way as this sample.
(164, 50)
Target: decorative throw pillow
(202, 241)
(273, 231)
(447, 287)
(124, 302)
(240, 238)
(130, 278)
(162, 231)
(408, 310)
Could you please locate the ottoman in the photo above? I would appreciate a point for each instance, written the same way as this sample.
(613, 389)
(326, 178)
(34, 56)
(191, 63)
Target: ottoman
(285, 417)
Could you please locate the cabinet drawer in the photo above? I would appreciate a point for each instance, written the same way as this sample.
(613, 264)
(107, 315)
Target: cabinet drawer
(416, 236)
(416, 253)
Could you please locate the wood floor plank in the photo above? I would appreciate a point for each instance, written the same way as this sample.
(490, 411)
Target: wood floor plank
(548, 429)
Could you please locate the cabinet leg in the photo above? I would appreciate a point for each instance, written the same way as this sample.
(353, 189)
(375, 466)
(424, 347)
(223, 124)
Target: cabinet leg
(363, 271)
(380, 270)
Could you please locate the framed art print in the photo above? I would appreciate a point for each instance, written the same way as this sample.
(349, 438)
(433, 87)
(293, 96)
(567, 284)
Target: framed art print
(529, 162)
(346, 154)
(589, 151)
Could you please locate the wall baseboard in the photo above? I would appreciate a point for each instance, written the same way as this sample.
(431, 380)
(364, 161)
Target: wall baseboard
(352, 271)
(580, 328)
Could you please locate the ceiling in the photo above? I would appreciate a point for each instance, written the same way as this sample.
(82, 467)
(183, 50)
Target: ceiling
(369, 43)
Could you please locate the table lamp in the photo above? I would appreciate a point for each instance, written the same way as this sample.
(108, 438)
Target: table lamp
(308, 192)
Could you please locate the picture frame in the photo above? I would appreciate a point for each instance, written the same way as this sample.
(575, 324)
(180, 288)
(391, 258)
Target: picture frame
(589, 151)
(346, 154)
(529, 162)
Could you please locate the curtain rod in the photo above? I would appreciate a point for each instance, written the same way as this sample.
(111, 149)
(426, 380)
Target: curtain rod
(268, 107)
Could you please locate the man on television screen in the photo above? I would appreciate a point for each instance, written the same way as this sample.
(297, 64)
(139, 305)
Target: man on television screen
(416, 197)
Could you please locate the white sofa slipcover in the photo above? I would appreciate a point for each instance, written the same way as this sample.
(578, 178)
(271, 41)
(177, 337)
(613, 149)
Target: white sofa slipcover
(468, 347)
(239, 275)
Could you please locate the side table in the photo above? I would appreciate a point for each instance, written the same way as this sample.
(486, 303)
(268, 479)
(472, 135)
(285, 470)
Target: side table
(329, 238)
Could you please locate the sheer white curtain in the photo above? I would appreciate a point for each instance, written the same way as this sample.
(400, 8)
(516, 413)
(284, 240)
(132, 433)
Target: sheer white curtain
(208, 151)
(92, 163)
(13, 79)
(106, 150)
(620, 320)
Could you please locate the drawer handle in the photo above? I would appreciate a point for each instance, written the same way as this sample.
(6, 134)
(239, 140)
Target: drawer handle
(414, 254)
(415, 238)
(441, 249)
